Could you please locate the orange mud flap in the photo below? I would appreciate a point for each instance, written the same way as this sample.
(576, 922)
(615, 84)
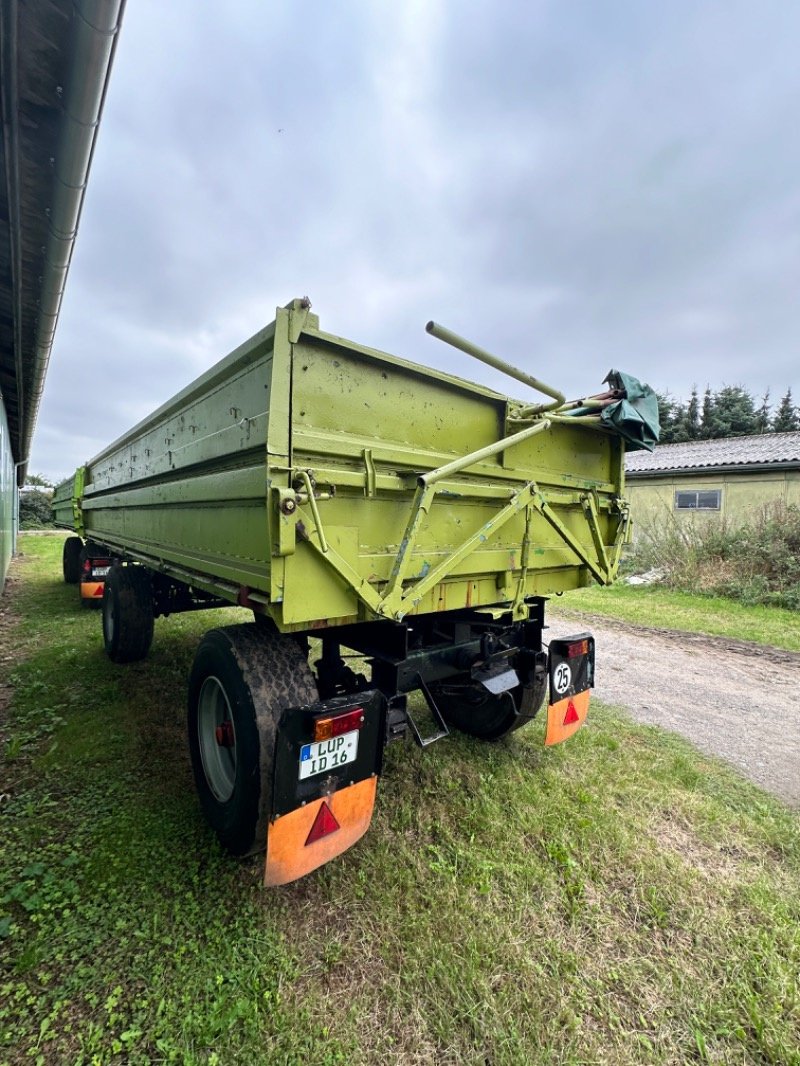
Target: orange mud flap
(571, 670)
(310, 836)
(328, 758)
(92, 590)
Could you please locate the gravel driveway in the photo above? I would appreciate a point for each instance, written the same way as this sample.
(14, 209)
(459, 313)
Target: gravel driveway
(733, 699)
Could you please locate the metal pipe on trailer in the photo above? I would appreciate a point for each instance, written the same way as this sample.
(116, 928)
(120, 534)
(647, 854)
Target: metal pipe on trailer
(453, 339)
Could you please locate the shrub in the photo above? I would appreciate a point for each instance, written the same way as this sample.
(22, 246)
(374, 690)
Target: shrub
(756, 563)
(35, 510)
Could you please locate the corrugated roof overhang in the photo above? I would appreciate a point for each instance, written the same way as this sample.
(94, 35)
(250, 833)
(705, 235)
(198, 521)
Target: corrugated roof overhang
(699, 472)
(55, 58)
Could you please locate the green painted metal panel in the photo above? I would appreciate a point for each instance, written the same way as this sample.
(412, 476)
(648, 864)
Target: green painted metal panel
(63, 503)
(327, 482)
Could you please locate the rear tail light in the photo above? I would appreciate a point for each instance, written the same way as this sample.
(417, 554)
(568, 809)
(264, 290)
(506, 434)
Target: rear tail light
(335, 725)
(90, 564)
(580, 647)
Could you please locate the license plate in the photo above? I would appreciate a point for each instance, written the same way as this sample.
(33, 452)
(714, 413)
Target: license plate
(328, 754)
(100, 571)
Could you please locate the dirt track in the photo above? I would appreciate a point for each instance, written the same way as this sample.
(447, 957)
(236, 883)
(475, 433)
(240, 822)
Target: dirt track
(737, 700)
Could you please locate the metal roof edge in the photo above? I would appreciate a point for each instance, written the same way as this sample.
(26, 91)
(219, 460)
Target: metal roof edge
(721, 468)
(96, 30)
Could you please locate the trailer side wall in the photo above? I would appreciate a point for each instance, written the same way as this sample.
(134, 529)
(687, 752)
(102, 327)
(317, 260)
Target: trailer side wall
(188, 485)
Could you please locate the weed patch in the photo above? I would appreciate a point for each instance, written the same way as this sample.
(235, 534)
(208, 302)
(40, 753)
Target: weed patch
(757, 563)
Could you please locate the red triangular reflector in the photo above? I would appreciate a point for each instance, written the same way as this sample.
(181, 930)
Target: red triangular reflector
(98, 591)
(571, 717)
(324, 823)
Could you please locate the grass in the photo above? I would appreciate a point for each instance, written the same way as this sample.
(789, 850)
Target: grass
(654, 606)
(620, 899)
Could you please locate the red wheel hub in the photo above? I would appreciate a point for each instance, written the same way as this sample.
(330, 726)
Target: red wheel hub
(224, 734)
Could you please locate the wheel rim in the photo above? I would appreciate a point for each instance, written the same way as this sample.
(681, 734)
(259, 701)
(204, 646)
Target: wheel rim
(216, 735)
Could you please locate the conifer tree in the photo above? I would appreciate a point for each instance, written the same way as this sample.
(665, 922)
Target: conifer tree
(762, 414)
(707, 417)
(692, 419)
(668, 414)
(787, 417)
(734, 412)
(729, 412)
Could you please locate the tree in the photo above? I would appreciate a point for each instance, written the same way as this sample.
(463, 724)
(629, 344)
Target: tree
(35, 509)
(684, 421)
(734, 412)
(762, 415)
(729, 412)
(670, 415)
(692, 420)
(787, 417)
(707, 417)
(38, 481)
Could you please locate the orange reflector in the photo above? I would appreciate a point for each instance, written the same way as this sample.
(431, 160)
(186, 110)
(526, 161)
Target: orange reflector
(580, 647)
(572, 715)
(325, 728)
(324, 824)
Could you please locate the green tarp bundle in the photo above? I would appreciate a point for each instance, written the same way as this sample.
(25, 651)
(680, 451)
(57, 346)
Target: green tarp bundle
(635, 416)
(633, 412)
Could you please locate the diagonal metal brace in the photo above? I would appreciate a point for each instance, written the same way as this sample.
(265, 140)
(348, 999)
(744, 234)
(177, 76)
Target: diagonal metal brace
(547, 512)
(589, 504)
(398, 606)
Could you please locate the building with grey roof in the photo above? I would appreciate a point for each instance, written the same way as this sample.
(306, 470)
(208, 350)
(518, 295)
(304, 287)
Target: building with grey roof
(732, 478)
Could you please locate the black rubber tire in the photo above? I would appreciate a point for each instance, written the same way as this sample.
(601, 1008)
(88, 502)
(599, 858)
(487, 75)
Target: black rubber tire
(127, 613)
(71, 560)
(261, 673)
(469, 707)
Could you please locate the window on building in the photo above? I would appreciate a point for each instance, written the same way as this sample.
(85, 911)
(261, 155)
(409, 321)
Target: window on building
(698, 499)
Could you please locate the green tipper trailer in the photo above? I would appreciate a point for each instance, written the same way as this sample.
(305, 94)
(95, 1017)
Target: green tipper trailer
(339, 492)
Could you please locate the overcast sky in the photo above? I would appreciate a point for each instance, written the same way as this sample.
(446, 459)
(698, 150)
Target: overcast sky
(574, 185)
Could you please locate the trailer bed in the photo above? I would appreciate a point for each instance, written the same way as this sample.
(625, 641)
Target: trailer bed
(294, 477)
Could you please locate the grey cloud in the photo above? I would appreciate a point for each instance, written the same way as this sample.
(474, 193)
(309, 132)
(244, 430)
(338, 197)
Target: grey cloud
(575, 186)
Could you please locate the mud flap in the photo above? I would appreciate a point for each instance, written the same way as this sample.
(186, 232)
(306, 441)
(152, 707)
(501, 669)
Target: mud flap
(290, 851)
(324, 790)
(92, 590)
(571, 671)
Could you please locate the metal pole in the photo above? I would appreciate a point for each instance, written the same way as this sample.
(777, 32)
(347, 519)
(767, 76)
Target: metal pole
(464, 345)
(482, 453)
